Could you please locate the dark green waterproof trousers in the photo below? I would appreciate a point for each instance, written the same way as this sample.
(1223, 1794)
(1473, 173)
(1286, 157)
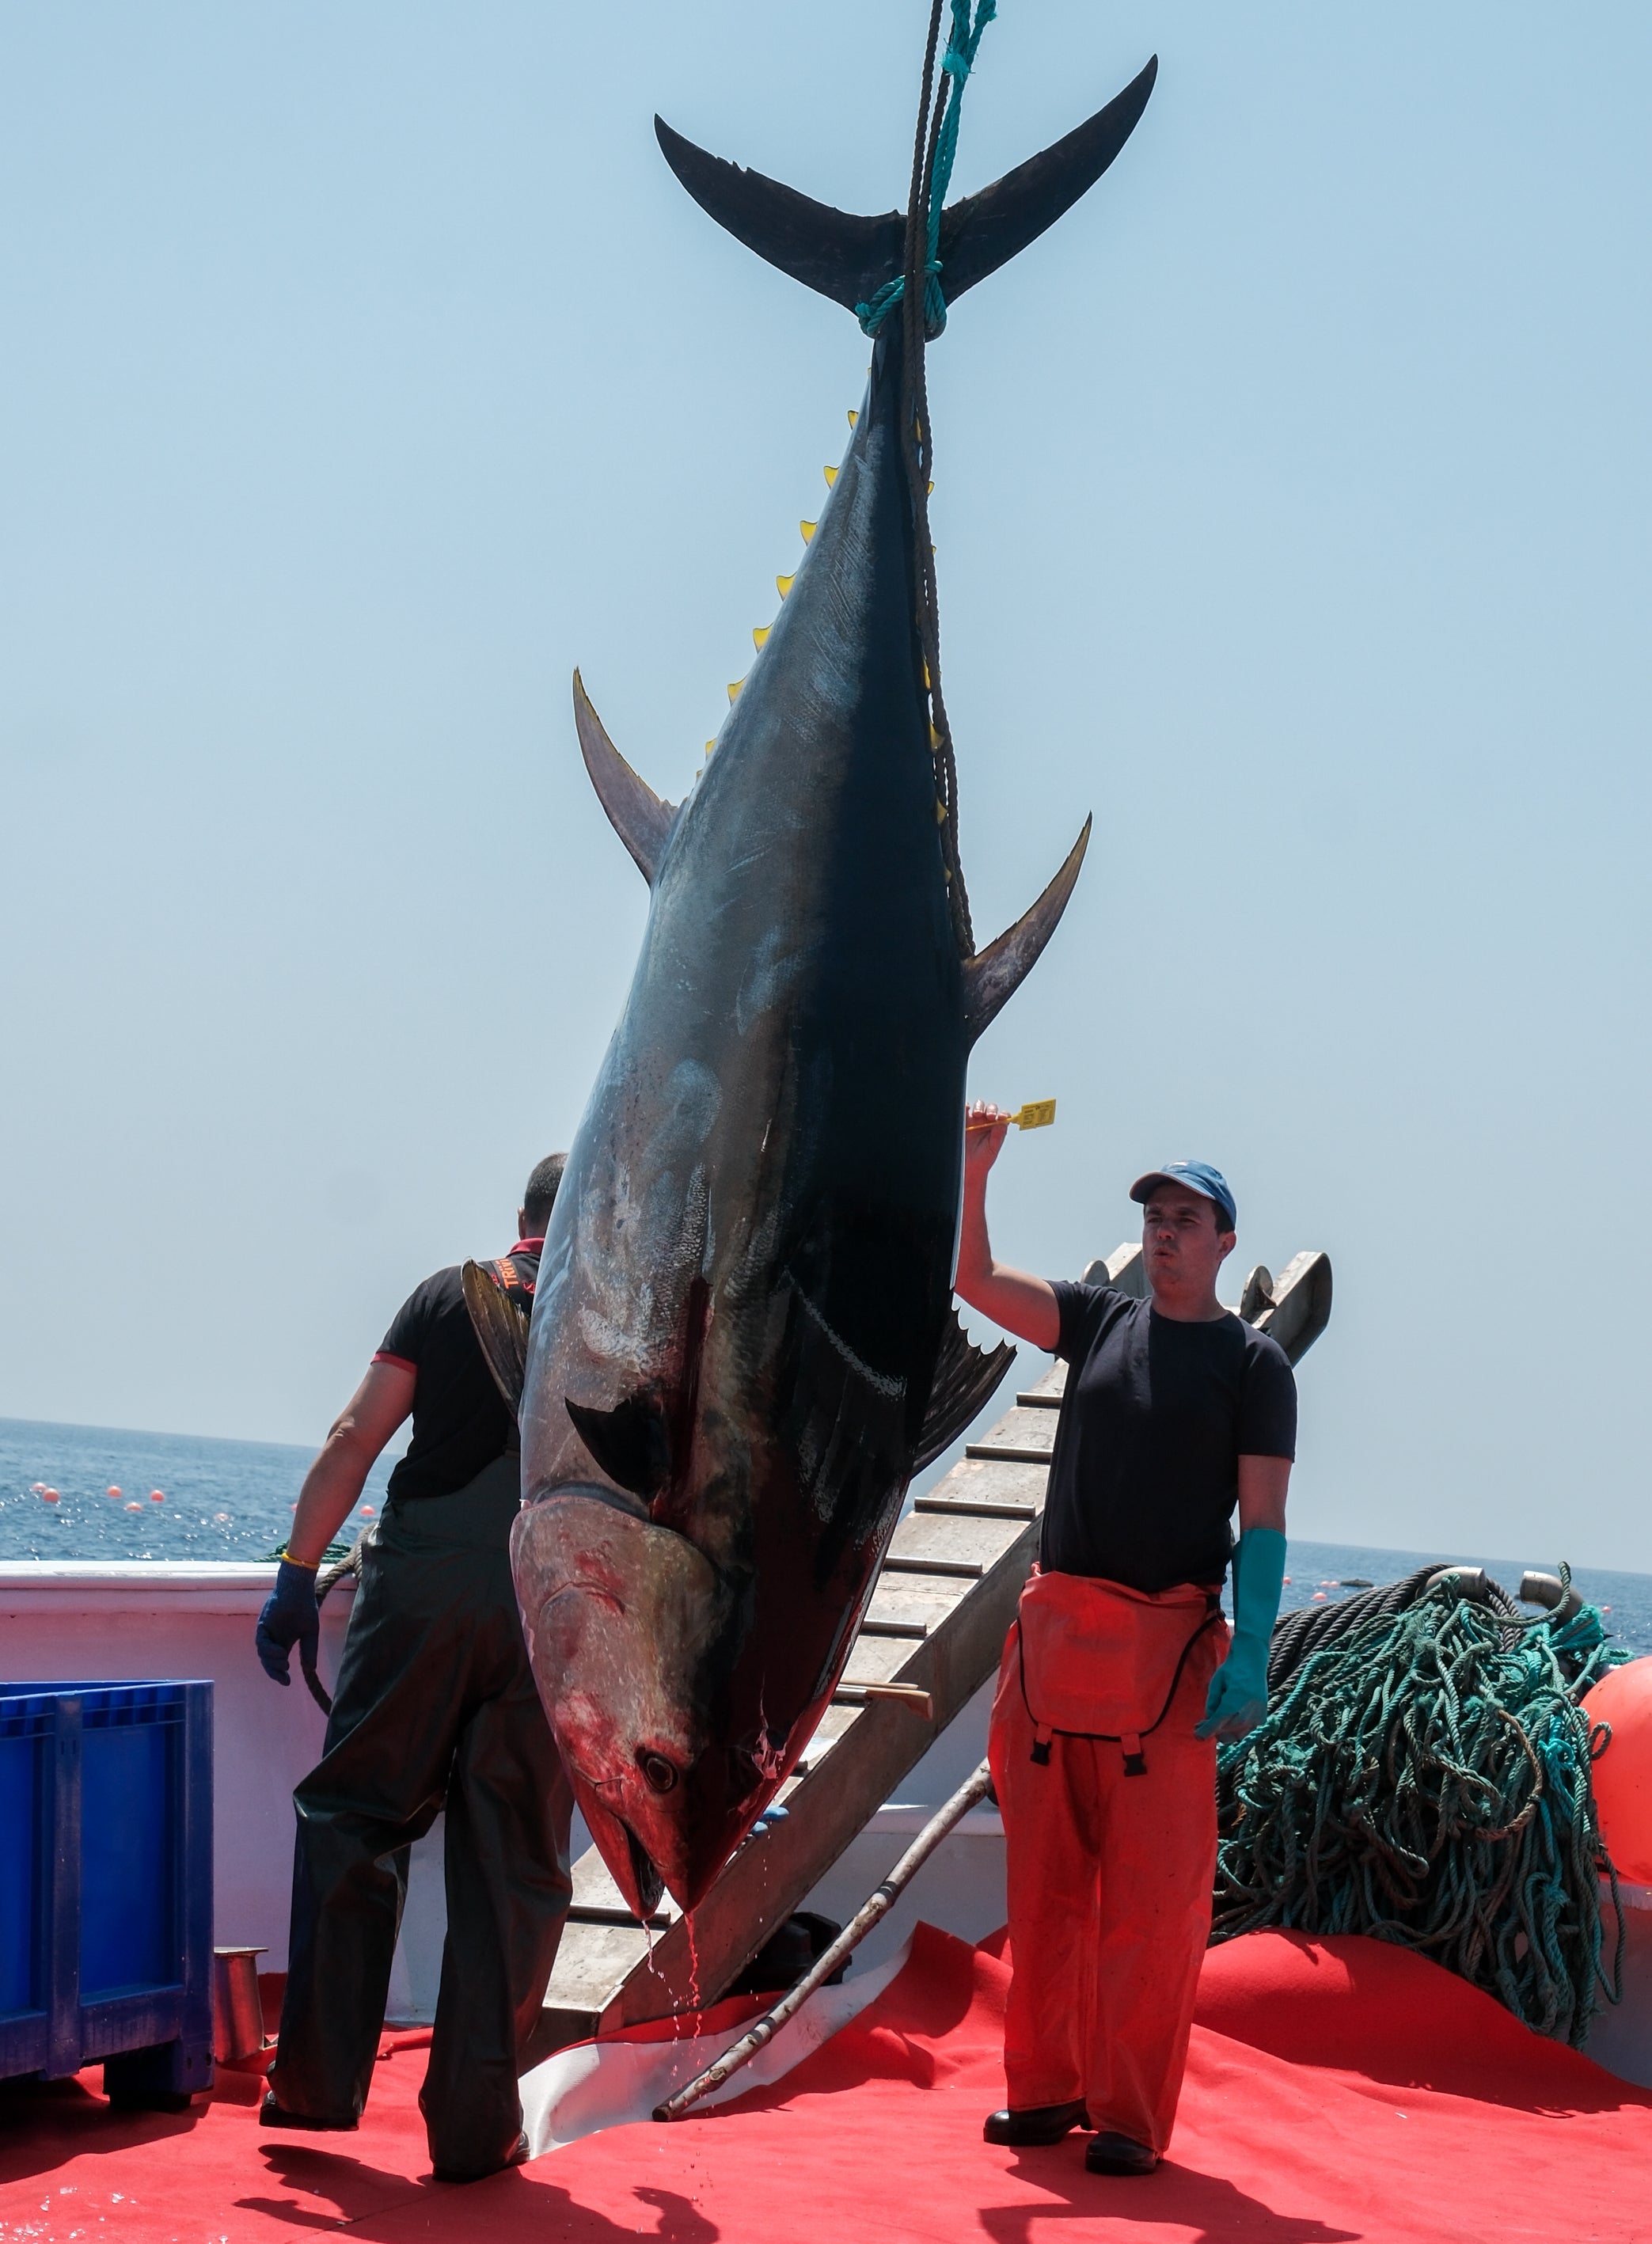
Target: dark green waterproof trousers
(435, 1706)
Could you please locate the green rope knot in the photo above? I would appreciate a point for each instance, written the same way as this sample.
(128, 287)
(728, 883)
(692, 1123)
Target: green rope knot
(956, 64)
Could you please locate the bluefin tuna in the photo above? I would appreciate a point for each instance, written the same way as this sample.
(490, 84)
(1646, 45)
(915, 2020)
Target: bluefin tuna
(743, 1343)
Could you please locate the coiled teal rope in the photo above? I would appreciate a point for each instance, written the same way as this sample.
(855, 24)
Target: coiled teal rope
(1425, 1780)
(956, 64)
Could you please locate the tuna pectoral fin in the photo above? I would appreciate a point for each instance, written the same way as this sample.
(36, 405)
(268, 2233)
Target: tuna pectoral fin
(502, 1331)
(964, 1376)
(993, 975)
(635, 812)
(850, 259)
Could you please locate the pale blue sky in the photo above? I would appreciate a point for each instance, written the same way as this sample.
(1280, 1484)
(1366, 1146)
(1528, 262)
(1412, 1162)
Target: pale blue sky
(364, 368)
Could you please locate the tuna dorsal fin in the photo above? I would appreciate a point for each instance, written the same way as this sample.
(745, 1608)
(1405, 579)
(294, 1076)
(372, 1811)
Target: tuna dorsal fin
(992, 976)
(631, 1443)
(635, 812)
(501, 1330)
(964, 1376)
(848, 258)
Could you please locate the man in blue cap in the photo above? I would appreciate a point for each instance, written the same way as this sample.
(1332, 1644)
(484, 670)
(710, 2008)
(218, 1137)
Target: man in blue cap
(1118, 1674)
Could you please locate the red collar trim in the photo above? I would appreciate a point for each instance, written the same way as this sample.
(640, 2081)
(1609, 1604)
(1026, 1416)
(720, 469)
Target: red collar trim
(526, 1246)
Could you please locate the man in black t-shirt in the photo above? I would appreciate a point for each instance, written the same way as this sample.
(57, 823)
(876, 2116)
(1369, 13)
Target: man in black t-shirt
(1119, 1676)
(436, 1707)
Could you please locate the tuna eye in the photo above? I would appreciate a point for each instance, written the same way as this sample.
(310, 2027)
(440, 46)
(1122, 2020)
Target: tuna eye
(658, 1770)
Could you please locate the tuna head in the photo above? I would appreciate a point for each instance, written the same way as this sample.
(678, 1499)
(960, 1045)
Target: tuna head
(627, 1615)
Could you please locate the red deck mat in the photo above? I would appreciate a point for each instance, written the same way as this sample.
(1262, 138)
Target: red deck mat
(1338, 2090)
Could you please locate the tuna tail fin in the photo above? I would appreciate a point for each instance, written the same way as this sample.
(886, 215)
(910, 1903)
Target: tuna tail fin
(993, 975)
(501, 1331)
(850, 259)
(635, 812)
(964, 1377)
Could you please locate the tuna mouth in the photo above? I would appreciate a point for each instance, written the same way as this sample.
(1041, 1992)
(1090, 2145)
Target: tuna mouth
(647, 1879)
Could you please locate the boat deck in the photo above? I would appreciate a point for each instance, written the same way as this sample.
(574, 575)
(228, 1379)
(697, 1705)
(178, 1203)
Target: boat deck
(1337, 2090)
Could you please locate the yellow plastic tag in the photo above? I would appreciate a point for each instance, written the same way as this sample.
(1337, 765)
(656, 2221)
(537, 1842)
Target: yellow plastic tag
(1038, 1115)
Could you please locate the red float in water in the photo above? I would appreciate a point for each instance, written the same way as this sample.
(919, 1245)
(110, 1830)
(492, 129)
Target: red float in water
(49, 1495)
(115, 1492)
(156, 1496)
(134, 1507)
(367, 1512)
(1624, 1773)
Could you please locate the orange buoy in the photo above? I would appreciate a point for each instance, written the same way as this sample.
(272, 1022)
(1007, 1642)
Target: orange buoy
(49, 1495)
(115, 1492)
(367, 1512)
(134, 1507)
(156, 1497)
(1624, 1773)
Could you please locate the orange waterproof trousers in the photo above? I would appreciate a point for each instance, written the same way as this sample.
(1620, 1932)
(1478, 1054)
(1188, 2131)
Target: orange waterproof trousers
(1110, 1874)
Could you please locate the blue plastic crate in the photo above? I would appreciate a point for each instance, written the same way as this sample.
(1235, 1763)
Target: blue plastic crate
(106, 1884)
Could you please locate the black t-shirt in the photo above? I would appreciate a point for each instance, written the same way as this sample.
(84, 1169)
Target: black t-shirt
(460, 1421)
(1145, 1473)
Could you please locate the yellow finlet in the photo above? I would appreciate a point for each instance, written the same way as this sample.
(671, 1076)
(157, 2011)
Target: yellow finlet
(808, 529)
(935, 737)
(940, 812)
(926, 677)
(784, 585)
(760, 633)
(830, 475)
(853, 417)
(710, 745)
(734, 691)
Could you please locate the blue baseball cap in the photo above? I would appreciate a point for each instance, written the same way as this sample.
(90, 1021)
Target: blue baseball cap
(1198, 1176)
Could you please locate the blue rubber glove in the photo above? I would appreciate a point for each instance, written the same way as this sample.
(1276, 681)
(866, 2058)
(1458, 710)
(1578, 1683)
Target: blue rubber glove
(1237, 1699)
(290, 1616)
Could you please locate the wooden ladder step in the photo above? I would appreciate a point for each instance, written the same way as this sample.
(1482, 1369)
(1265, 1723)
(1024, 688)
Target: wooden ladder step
(579, 1914)
(962, 1507)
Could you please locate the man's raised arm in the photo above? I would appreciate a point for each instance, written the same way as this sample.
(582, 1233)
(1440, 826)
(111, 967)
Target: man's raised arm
(1021, 1303)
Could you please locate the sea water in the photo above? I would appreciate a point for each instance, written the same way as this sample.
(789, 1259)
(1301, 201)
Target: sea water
(227, 1500)
(234, 1500)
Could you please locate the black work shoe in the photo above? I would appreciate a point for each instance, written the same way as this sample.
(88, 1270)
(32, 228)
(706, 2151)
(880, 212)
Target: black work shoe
(1117, 2154)
(516, 2157)
(1041, 2123)
(272, 2115)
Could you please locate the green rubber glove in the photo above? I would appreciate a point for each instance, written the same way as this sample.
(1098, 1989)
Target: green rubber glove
(1237, 1699)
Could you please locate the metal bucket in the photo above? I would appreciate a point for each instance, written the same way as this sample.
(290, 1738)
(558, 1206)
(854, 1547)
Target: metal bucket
(238, 2009)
